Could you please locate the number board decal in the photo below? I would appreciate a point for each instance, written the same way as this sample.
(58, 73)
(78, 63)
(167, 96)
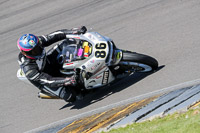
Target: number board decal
(100, 50)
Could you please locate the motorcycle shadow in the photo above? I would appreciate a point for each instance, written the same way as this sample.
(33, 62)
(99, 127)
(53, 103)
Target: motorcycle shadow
(99, 94)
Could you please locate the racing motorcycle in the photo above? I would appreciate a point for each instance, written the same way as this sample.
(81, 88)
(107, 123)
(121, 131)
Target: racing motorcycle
(98, 61)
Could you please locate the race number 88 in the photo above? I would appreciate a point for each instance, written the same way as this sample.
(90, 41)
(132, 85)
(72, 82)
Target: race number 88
(100, 53)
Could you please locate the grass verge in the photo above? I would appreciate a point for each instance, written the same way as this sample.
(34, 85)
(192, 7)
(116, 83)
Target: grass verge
(179, 122)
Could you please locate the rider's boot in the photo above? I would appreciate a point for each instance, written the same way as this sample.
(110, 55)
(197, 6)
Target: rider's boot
(68, 94)
(65, 93)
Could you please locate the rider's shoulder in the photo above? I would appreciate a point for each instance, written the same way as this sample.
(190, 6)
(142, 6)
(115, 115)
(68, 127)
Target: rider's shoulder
(22, 58)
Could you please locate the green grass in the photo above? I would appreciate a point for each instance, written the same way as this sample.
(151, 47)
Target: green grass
(188, 122)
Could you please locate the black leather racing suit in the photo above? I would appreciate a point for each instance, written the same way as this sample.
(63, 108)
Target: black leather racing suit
(44, 73)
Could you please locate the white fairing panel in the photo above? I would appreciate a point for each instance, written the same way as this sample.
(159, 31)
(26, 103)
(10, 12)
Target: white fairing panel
(98, 61)
(104, 77)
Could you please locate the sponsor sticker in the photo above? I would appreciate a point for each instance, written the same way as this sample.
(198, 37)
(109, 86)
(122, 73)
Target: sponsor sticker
(105, 77)
(95, 66)
(91, 62)
(69, 63)
(32, 43)
(97, 77)
(84, 67)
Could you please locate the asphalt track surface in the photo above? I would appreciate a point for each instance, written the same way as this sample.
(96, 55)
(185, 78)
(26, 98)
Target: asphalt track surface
(168, 30)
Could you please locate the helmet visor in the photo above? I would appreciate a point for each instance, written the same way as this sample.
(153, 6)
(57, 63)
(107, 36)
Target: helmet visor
(36, 52)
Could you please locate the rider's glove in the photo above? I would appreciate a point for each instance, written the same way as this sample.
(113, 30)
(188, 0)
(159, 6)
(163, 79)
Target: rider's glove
(70, 81)
(81, 74)
(80, 30)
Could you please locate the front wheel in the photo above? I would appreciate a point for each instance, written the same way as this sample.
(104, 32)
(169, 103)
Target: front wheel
(138, 62)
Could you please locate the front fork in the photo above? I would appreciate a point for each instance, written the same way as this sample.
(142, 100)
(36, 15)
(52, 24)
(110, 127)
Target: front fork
(118, 67)
(116, 58)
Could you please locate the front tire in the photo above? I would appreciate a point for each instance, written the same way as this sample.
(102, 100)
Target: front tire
(139, 62)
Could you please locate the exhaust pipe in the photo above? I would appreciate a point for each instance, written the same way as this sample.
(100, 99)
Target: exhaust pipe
(43, 95)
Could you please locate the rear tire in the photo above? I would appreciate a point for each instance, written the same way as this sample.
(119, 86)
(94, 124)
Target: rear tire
(141, 62)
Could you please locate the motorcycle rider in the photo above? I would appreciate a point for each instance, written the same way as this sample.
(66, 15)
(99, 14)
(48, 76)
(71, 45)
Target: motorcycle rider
(42, 69)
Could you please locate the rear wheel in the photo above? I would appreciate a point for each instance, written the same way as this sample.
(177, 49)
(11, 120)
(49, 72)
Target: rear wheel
(138, 62)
